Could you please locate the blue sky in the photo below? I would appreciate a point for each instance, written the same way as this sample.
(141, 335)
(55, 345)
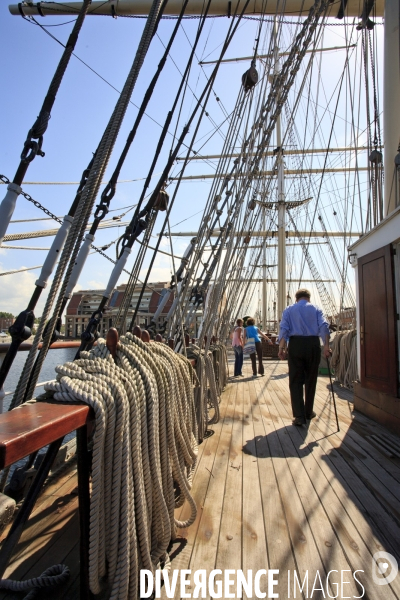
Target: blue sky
(28, 58)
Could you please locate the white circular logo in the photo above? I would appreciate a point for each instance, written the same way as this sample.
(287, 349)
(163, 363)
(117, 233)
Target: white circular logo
(384, 568)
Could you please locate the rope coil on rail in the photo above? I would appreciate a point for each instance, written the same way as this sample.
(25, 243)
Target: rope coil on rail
(144, 452)
(207, 393)
(344, 357)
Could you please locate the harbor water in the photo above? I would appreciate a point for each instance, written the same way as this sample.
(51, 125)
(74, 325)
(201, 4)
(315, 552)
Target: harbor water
(53, 358)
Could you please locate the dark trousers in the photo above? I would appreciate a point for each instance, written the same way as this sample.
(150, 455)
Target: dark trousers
(303, 358)
(253, 360)
(238, 360)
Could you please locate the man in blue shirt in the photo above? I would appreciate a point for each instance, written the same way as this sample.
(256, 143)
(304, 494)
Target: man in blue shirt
(301, 327)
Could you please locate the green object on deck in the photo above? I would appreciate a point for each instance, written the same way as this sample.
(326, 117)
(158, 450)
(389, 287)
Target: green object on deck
(325, 371)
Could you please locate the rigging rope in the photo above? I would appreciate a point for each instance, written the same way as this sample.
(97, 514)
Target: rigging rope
(31, 147)
(75, 236)
(53, 576)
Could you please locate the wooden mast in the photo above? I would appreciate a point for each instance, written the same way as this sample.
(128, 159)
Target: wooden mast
(195, 7)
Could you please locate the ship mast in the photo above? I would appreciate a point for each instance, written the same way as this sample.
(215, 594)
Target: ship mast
(281, 198)
(391, 101)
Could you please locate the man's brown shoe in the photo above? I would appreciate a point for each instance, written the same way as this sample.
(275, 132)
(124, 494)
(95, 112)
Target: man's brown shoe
(299, 421)
(311, 416)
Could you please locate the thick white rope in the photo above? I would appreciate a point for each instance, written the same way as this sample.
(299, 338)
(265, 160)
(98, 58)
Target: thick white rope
(75, 236)
(144, 449)
(344, 357)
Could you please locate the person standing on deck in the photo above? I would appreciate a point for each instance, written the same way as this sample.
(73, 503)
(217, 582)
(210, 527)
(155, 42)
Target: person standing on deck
(237, 344)
(251, 331)
(301, 327)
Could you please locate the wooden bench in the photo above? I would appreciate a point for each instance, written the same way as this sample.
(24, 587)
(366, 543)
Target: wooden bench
(28, 429)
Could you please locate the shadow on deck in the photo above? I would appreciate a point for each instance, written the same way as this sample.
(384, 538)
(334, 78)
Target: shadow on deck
(275, 496)
(269, 496)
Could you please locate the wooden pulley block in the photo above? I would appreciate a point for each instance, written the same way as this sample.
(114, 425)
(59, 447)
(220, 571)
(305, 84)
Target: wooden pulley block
(376, 157)
(249, 78)
(162, 201)
(247, 239)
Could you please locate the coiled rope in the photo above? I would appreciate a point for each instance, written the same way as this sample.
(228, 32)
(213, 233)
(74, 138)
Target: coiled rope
(344, 357)
(55, 575)
(75, 236)
(144, 452)
(207, 394)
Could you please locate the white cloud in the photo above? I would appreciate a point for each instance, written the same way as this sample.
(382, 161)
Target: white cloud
(94, 285)
(16, 291)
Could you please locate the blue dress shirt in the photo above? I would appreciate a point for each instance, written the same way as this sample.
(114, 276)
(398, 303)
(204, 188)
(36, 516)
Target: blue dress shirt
(303, 319)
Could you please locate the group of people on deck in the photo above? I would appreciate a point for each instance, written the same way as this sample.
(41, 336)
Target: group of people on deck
(301, 327)
(240, 336)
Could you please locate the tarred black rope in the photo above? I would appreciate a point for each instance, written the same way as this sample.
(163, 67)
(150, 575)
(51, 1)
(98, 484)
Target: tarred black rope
(110, 189)
(134, 228)
(205, 95)
(55, 575)
(33, 143)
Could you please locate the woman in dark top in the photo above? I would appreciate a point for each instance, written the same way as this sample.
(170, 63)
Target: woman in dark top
(251, 331)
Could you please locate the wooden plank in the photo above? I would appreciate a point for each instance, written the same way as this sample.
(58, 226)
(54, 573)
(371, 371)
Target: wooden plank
(330, 552)
(29, 428)
(366, 425)
(363, 509)
(206, 544)
(229, 552)
(44, 551)
(279, 547)
(346, 544)
(254, 543)
(43, 523)
(304, 548)
(382, 523)
(182, 551)
(380, 465)
(51, 488)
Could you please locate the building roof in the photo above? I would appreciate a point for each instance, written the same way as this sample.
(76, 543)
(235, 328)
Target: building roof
(156, 299)
(73, 304)
(152, 298)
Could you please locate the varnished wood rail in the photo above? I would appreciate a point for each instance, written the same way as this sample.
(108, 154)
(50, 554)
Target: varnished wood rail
(29, 428)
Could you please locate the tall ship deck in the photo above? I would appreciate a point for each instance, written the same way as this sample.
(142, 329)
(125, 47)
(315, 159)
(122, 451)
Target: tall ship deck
(270, 496)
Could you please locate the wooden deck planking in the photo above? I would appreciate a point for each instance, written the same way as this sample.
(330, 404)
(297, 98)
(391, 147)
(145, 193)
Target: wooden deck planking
(50, 535)
(328, 548)
(254, 555)
(269, 495)
(202, 479)
(367, 488)
(279, 545)
(344, 483)
(345, 532)
(303, 511)
(357, 434)
(229, 553)
(205, 550)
